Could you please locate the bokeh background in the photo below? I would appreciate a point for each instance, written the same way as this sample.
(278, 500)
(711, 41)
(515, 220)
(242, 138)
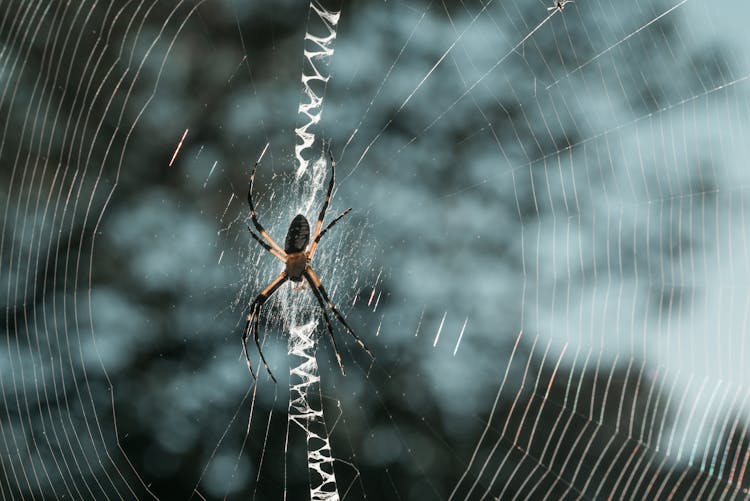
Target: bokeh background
(548, 252)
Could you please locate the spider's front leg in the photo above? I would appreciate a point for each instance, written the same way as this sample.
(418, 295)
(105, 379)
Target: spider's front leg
(246, 333)
(253, 322)
(327, 320)
(314, 281)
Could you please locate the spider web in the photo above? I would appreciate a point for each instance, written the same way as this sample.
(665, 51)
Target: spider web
(548, 252)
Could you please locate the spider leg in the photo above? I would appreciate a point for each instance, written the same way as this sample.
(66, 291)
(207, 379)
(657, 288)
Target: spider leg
(257, 343)
(331, 183)
(251, 326)
(245, 334)
(327, 320)
(315, 282)
(328, 227)
(266, 246)
(254, 216)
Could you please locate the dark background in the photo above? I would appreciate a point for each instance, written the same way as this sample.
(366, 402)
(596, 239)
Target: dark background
(573, 206)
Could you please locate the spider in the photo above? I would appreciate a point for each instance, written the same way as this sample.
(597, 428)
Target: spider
(559, 5)
(296, 256)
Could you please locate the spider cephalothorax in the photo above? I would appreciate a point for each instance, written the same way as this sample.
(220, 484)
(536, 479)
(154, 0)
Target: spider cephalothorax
(296, 257)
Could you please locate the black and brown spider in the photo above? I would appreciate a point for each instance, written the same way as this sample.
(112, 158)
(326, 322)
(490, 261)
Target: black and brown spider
(296, 257)
(559, 5)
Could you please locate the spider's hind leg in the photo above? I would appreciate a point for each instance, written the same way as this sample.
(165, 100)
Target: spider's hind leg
(314, 245)
(270, 249)
(324, 209)
(254, 215)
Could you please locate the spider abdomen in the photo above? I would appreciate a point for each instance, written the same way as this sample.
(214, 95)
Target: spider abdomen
(298, 235)
(295, 266)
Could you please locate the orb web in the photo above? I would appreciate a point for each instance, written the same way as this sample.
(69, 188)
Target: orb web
(547, 253)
